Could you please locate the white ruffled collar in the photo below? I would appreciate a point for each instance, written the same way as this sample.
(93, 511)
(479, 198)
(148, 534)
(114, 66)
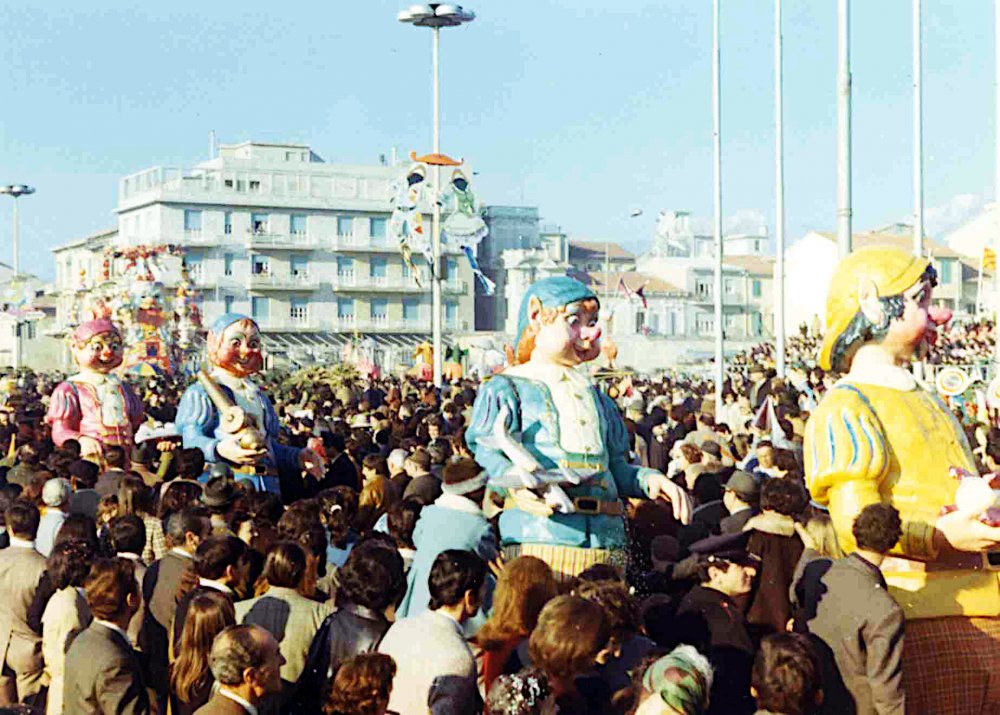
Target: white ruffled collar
(891, 376)
(549, 373)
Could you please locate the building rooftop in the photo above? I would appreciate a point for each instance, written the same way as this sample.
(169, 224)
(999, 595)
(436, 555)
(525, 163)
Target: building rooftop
(896, 238)
(754, 265)
(106, 234)
(599, 248)
(599, 280)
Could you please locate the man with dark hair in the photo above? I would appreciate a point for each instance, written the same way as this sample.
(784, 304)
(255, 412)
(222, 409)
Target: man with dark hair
(162, 581)
(111, 478)
(442, 678)
(128, 538)
(370, 581)
(83, 478)
(786, 676)
(858, 625)
(221, 563)
(21, 567)
(246, 663)
(103, 672)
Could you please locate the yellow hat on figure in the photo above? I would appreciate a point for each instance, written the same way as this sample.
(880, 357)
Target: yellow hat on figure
(891, 270)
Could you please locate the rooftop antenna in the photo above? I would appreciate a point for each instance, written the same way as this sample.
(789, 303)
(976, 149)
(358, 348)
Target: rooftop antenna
(211, 144)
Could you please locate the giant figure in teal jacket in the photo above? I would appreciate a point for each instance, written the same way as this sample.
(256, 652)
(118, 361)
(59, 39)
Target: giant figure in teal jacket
(552, 443)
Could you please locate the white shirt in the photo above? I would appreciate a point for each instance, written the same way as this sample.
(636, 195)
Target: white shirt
(573, 398)
(181, 552)
(112, 626)
(892, 376)
(245, 704)
(217, 585)
(23, 543)
(109, 395)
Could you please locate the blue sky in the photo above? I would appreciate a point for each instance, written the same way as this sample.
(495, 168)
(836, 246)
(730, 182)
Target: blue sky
(586, 109)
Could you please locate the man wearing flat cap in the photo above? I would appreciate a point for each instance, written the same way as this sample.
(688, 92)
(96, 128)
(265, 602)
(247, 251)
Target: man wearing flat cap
(879, 437)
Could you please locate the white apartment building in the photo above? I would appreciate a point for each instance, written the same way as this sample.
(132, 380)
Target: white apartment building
(274, 231)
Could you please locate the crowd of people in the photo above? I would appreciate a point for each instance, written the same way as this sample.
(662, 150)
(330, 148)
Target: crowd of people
(154, 582)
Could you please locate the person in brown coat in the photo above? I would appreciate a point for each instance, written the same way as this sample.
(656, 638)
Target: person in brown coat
(773, 539)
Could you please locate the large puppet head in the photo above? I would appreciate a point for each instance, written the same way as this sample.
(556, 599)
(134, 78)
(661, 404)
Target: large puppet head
(97, 346)
(880, 295)
(557, 323)
(234, 345)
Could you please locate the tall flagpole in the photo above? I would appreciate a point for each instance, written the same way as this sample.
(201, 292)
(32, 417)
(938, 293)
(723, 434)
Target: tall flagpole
(844, 237)
(918, 135)
(720, 367)
(779, 191)
(996, 178)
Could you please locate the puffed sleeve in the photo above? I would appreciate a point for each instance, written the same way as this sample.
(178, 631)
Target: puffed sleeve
(64, 413)
(196, 421)
(847, 457)
(630, 479)
(497, 396)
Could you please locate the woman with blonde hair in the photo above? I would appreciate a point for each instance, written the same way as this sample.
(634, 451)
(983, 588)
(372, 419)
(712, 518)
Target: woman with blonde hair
(190, 678)
(525, 585)
(378, 495)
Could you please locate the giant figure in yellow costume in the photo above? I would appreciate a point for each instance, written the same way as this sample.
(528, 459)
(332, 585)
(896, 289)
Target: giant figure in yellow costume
(879, 436)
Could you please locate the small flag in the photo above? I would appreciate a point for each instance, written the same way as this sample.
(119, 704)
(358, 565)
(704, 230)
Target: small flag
(641, 293)
(489, 287)
(989, 259)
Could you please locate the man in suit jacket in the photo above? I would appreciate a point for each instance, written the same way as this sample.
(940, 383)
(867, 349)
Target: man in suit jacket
(221, 563)
(128, 538)
(857, 626)
(103, 672)
(246, 663)
(20, 568)
(160, 587)
(109, 481)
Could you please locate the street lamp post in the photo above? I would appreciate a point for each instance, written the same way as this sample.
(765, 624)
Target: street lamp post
(436, 16)
(16, 191)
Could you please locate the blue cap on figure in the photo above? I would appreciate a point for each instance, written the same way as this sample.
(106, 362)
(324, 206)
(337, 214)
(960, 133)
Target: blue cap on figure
(227, 319)
(551, 292)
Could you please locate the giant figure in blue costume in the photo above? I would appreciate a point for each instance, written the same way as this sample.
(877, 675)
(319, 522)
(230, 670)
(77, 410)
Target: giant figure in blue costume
(554, 446)
(234, 355)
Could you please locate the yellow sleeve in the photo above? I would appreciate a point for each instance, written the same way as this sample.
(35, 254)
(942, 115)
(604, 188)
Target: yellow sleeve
(847, 457)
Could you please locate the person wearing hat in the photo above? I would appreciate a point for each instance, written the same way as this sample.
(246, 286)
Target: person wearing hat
(95, 407)
(741, 498)
(219, 496)
(711, 618)
(879, 437)
(55, 496)
(454, 521)
(234, 353)
(567, 507)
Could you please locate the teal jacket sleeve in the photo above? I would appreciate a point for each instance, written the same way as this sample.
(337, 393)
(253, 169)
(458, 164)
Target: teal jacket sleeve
(496, 396)
(630, 479)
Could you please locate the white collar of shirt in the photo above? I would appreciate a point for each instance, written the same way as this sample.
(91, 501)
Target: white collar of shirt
(23, 543)
(217, 585)
(127, 555)
(95, 378)
(234, 382)
(251, 709)
(458, 503)
(891, 376)
(181, 552)
(549, 373)
(112, 626)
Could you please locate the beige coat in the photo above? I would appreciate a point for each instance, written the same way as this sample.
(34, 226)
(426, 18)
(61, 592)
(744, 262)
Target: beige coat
(20, 647)
(66, 612)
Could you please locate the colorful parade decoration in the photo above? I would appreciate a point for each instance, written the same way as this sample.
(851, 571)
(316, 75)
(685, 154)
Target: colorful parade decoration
(227, 416)
(554, 447)
(878, 436)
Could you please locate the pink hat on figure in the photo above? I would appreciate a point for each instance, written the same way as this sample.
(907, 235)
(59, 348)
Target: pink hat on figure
(86, 330)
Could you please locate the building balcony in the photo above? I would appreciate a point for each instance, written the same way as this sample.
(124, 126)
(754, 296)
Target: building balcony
(376, 324)
(363, 244)
(304, 323)
(348, 282)
(280, 242)
(271, 281)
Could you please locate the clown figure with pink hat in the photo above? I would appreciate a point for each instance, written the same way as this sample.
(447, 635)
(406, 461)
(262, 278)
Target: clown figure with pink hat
(227, 416)
(94, 406)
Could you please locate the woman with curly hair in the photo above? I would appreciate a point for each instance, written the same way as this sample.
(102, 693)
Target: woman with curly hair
(525, 585)
(362, 686)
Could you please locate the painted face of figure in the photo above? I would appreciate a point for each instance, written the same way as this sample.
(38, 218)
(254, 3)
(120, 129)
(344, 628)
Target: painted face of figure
(568, 337)
(238, 349)
(100, 353)
(914, 333)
